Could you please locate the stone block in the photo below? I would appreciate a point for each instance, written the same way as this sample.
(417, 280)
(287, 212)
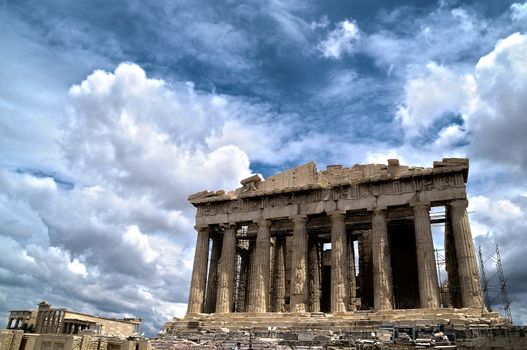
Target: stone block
(305, 336)
(290, 336)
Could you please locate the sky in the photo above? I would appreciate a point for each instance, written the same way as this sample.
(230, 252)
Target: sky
(113, 112)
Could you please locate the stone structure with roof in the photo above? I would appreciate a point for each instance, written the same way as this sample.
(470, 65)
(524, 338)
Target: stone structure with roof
(351, 243)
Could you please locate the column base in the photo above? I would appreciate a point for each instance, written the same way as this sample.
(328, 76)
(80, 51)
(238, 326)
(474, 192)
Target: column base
(342, 321)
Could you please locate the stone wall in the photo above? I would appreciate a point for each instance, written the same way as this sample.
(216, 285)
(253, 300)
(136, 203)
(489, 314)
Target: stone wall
(108, 326)
(18, 340)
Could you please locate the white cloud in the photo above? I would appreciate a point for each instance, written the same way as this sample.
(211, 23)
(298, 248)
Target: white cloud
(382, 157)
(491, 101)
(445, 35)
(497, 112)
(135, 239)
(323, 22)
(428, 97)
(490, 213)
(340, 41)
(77, 267)
(136, 148)
(142, 136)
(519, 13)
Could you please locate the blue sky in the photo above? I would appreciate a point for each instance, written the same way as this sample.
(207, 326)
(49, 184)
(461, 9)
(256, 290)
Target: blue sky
(112, 112)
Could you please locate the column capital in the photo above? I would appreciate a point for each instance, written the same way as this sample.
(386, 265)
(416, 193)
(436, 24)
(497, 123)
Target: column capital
(378, 210)
(202, 228)
(227, 225)
(420, 205)
(458, 203)
(262, 221)
(336, 213)
(298, 218)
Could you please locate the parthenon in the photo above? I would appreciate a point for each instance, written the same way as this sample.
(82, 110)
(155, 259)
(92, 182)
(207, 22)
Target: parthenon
(335, 241)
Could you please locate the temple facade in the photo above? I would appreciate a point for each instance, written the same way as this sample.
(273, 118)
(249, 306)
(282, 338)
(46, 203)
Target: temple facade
(335, 241)
(48, 320)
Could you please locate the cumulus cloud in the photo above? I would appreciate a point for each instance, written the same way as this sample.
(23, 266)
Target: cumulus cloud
(140, 135)
(498, 112)
(340, 41)
(490, 100)
(430, 96)
(123, 230)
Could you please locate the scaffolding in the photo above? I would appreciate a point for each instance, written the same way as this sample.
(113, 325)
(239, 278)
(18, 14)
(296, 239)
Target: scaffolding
(494, 283)
(442, 276)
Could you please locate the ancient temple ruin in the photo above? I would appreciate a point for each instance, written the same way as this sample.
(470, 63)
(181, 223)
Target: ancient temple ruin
(341, 241)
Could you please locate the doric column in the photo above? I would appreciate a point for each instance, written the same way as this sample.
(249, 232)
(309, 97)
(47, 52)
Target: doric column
(382, 268)
(454, 289)
(259, 281)
(279, 276)
(199, 272)
(426, 263)
(314, 273)
(352, 283)
(212, 282)
(242, 279)
(466, 255)
(251, 267)
(226, 274)
(48, 321)
(339, 279)
(298, 298)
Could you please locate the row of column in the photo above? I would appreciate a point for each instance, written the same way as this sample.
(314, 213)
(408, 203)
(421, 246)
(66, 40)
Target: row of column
(17, 323)
(342, 281)
(74, 327)
(49, 321)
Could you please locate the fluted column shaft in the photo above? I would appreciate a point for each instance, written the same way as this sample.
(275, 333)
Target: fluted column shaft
(426, 263)
(454, 289)
(199, 272)
(259, 281)
(298, 297)
(226, 273)
(382, 268)
(279, 276)
(352, 282)
(314, 274)
(212, 281)
(339, 278)
(466, 255)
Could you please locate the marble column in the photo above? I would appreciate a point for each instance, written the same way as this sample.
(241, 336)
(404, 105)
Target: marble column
(279, 276)
(212, 282)
(299, 286)
(426, 263)
(251, 263)
(199, 272)
(226, 274)
(382, 268)
(339, 281)
(454, 289)
(242, 281)
(352, 282)
(259, 280)
(314, 273)
(466, 255)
